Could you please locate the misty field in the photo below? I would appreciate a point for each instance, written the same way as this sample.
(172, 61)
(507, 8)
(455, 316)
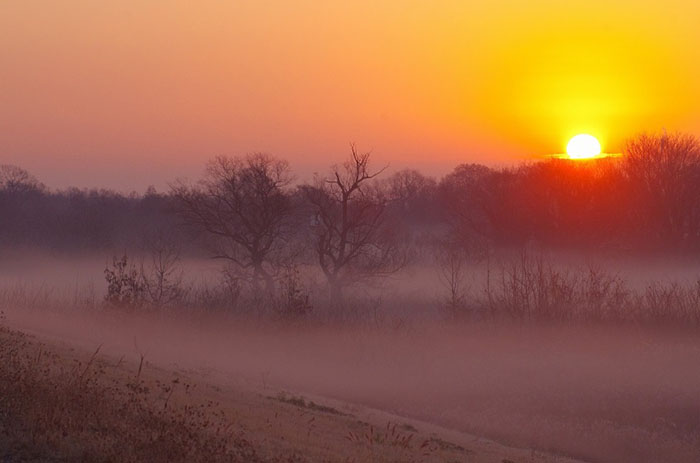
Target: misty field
(612, 388)
(426, 231)
(544, 312)
(63, 402)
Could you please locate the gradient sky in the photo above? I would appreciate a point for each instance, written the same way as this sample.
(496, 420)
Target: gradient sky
(129, 93)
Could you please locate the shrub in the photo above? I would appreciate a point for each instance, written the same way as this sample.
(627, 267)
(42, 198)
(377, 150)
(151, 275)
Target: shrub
(125, 285)
(293, 302)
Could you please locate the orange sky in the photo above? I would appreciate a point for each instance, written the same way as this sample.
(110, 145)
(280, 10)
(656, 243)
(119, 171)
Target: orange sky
(130, 93)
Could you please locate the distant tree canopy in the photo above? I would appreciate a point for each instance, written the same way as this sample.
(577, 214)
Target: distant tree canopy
(80, 220)
(15, 180)
(646, 199)
(663, 173)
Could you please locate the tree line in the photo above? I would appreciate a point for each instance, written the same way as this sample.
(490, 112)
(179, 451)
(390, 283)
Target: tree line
(357, 221)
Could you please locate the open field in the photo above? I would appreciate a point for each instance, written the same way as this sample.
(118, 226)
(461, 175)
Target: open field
(592, 394)
(62, 402)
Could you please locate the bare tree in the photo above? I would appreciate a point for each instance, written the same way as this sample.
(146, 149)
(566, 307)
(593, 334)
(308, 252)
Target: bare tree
(475, 202)
(162, 277)
(451, 259)
(413, 198)
(664, 175)
(243, 205)
(409, 185)
(14, 179)
(352, 238)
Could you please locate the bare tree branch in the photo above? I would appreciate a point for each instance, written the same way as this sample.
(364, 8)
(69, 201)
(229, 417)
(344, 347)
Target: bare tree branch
(242, 203)
(353, 238)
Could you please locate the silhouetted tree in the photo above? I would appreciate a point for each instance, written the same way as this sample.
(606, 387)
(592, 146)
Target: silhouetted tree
(19, 215)
(161, 275)
(352, 238)
(564, 201)
(242, 205)
(410, 189)
(664, 175)
(477, 203)
(16, 180)
(412, 197)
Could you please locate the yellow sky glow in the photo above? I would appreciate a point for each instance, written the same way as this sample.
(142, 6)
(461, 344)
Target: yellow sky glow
(131, 93)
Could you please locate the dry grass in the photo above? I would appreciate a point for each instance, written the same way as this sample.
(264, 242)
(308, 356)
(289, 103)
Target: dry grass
(523, 287)
(67, 404)
(53, 409)
(532, 288)
(303, 403)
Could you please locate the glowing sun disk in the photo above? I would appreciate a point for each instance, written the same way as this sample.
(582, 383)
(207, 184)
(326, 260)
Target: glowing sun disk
(583, 146)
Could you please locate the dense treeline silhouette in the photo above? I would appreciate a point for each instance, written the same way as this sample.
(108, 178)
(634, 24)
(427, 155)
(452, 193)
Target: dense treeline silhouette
(249, 211)
(80, 220)
(646, 199)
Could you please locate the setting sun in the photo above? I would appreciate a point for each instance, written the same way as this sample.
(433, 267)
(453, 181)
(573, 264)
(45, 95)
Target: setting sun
(583, 146)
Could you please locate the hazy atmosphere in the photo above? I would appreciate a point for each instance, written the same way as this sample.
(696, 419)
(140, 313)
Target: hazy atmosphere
(407, 231)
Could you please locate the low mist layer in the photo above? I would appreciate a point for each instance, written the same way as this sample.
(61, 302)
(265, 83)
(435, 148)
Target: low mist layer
(609, 395)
